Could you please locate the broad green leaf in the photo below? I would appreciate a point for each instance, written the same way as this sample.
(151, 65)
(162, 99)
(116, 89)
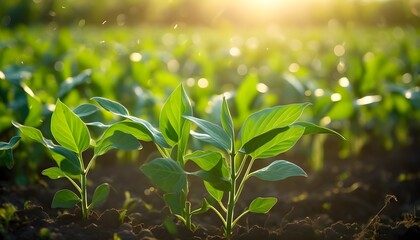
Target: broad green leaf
(68, 129)
(85, 110)
(53, 173)
(100, 195)
(268, 119)
(30, 132)
(72, 82)
(176, 203)
(166, 174)
(261, 140)
(206, 160)
(282, 142)
(65, 199)
(111, 106)
(59, 153)
(226, 119)
(311, 128)
(216, 194)
(171, 122)
(215, 135)
(278, 170)
(118, 140)
(11, 144)
(262, 205)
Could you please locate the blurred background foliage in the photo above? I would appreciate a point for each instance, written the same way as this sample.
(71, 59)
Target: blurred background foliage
(356, 61)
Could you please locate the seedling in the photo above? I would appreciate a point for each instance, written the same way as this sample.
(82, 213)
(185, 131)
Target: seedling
(171, 140)
(264, 134)
(74, 139)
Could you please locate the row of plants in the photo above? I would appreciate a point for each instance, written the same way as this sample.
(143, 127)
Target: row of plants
(365, 84)
(223, 160)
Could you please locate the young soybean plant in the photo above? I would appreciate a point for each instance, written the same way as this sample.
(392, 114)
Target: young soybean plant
(171, 139)
(264, 134)
(74, 138)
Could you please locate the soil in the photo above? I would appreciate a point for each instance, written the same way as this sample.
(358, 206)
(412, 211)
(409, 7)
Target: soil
(374, 195)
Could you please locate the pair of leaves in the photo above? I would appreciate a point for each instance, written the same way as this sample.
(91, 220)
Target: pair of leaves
(67, 199)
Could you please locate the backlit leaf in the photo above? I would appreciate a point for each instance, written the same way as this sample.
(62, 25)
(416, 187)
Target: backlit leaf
(111, 106)
(65, 199)
(311, 128)
(85, 110)
(270, 118)
(100, 195)
(278, 170)
(118, 140)
(53, 173)
(171, 122)
(68, 129)
(166, 174)
(262, 205)
(226, 120)
(176, 203)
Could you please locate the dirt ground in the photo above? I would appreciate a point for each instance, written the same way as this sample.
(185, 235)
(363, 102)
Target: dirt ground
(374, 195)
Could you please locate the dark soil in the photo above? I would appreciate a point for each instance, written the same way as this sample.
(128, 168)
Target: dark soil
(372, 196)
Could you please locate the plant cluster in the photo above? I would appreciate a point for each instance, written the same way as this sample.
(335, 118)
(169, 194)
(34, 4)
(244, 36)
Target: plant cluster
(224, 158)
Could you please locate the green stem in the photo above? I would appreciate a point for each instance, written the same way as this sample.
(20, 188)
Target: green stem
(74, 184)
(90, 164)
(231, 201)
(242, 165)
(244, 178)
(83, 194)
(83, 185)
(188, 215)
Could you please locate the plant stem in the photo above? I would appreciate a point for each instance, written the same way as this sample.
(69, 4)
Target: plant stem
(83, 194)
(244, 178)
(231, 201)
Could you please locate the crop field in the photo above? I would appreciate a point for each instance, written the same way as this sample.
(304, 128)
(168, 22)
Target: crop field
(168, 121)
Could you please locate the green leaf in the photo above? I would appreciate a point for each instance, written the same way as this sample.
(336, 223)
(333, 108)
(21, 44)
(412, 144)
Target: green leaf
(214, 134)
(282, 142)
(226, 120)
(118, 140)
(311, 128)
(65, 199)
(30, 132)
(111, 106)
(206, 160)
(68, 129)
(65, 158)
(245, 95)
(166, 174)
(268, 119)
(216, 194)
(261, 140)
(278, 170)
(73, 82)
(171, 122)
(53, 173)
(100, 195)
(176, 203)
(11, 144)
(262, 205)
(85, 110)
